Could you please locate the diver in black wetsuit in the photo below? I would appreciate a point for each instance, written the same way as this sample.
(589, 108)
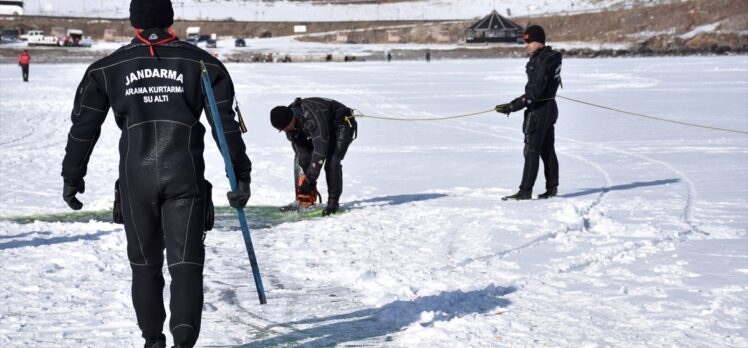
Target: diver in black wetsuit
(154, 91)
(543, 79)
(320, 131)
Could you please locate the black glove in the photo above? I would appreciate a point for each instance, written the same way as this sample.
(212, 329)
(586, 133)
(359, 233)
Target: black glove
(517, 104)
(306, 185)
(503, 109)
(312, 172)
(69, 189)
(239, 198)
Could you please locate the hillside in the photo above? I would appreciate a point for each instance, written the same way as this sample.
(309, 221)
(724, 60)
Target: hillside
(329, 10)
(667, 28)
(684, 26)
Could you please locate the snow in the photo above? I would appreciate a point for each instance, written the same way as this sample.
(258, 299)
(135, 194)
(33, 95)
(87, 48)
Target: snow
(311, 51)
(291, 46)
(643, 35)
(571, 45)
(282, 10)
(707, 28)
(647, 244)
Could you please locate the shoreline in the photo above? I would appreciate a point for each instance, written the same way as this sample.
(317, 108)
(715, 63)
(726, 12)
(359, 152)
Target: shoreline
(55, 55)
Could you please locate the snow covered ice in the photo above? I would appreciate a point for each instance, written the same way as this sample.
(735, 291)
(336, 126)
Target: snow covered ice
(646, 246)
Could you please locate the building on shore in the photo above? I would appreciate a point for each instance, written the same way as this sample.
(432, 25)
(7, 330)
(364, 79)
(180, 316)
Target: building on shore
(494, 28)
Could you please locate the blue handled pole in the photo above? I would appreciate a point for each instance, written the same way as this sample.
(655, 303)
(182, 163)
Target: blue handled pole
(232, 179)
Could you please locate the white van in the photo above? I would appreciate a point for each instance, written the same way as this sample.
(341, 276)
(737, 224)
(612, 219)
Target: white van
(11, 8)
(37, 38)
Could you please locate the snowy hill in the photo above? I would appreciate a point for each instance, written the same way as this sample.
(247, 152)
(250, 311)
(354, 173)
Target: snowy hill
(282, 10)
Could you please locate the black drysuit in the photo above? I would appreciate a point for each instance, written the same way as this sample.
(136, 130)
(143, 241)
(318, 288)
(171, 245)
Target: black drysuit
(543, 79)
(321, 138)
(157, 101)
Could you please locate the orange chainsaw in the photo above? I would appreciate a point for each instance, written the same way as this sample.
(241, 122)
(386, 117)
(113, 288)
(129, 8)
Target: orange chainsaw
(307, 200)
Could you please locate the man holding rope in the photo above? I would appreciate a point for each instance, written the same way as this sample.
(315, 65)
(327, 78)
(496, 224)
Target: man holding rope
(543, 78)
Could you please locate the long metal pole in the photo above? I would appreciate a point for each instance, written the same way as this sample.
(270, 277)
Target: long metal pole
(232, 179)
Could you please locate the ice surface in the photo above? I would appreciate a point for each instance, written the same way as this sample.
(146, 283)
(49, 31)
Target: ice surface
(646, 245)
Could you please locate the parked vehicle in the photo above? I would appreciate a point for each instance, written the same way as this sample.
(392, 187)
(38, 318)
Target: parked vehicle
(9, 35)
(211, 43)
(24, 37)
(239, 42)
(37, 38)
(72, 37)
(11, 8)
(193, 34)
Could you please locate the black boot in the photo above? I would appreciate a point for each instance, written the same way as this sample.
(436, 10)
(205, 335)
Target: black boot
(331, 208)
(158, 342)
(519, 196)
(551, 192)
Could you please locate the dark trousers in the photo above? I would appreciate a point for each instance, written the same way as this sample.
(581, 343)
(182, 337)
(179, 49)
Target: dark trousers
(343, 136)
(25, 72)
(539, 129)
(167, 215)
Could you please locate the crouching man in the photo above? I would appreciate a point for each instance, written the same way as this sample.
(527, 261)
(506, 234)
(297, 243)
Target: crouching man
(320, 131)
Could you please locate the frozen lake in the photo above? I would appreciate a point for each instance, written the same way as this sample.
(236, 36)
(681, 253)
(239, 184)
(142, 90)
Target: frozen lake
(646, 245)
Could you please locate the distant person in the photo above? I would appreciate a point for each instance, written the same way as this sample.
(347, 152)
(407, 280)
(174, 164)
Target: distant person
(320, 131)
(543, 78)
(153, 87)
(24, 61)
(389, 56)
(428, 56)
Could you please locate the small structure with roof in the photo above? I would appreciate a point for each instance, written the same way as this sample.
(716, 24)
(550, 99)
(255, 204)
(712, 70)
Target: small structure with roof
(494, 28)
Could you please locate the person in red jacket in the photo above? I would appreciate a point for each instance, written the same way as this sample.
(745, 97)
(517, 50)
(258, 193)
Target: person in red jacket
(24, 61)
